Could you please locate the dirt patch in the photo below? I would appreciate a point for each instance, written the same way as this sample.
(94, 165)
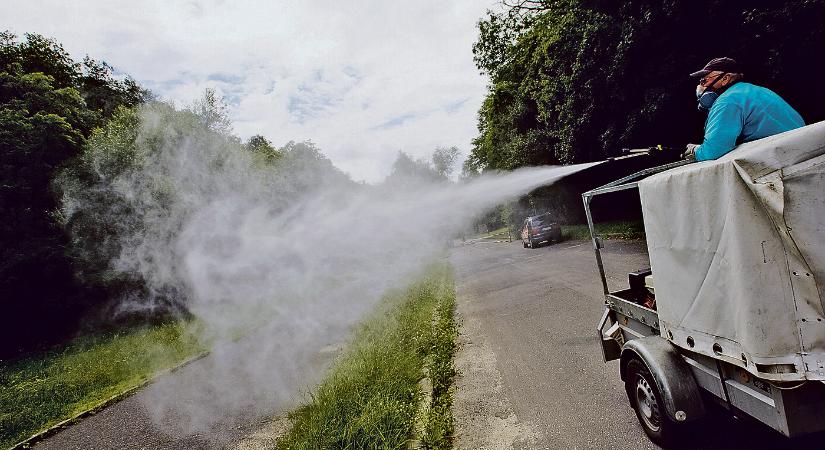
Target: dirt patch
(266, 436)
(483, 416)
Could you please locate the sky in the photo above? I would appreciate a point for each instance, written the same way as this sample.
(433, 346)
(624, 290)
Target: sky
(362, 80)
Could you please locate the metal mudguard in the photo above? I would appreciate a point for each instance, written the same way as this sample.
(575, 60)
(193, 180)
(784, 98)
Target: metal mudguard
(611, 348)
(673, 377)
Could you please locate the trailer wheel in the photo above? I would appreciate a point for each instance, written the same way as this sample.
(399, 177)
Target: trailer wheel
(646, 400)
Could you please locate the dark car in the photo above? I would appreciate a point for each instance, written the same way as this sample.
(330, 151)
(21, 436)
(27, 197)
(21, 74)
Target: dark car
(538, 229)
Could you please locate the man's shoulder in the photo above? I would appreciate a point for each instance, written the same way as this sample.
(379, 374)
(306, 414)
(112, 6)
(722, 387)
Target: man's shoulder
(740, 92)
(729, 99)
(742, 89)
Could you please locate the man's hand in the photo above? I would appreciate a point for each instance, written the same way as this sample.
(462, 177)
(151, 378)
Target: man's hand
(690, 152)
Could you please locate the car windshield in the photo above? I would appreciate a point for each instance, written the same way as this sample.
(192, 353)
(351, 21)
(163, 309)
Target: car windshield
(535, 222)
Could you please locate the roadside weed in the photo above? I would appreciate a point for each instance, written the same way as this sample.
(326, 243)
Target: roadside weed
(370, 397)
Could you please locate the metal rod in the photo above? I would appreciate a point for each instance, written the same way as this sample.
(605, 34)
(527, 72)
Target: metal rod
(608, 189)
(642, 174)
(595, 240)
(619, 185)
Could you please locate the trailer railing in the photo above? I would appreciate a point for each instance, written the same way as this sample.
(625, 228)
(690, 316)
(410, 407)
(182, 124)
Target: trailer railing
(629, 182)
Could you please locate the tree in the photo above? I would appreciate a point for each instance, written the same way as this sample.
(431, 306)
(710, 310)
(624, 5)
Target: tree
(469, 170)
(407, 171)
(261, 147)
(444, 159)
(149, 172)
(93, 79)
(103, 93)
(304, 169)
(577, 80)
(49, 104)
(38, 54)
(40, 127)
(213, 112)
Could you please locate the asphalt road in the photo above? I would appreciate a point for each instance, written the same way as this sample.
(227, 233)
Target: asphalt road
(138, 422)
(531, 371)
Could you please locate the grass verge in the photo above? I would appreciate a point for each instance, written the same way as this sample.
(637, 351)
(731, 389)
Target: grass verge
(497, 233)
(438, 428)
(42, 390)
(370, 397)
(607, 230)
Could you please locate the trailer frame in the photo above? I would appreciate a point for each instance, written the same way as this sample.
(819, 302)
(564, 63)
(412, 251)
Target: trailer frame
(630, 331)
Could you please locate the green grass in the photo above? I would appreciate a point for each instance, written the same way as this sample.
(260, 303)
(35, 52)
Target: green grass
(41, 390)
(607, 230)
(370, 397)
(497, 233)
(438, 429)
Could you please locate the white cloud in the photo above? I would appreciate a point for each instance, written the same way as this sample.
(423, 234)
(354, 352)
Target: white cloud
(362, 80)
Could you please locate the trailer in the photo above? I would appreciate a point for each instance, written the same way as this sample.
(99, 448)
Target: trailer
(731, 310)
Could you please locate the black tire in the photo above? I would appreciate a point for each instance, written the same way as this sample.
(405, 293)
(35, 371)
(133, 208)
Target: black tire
(533, 244)
(646, 400)
(524, 244)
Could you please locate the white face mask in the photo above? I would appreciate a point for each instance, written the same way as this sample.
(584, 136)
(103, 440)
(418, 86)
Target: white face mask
(706, 100)
(705, 97)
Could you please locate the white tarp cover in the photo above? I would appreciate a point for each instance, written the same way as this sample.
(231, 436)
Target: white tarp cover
(737, 248)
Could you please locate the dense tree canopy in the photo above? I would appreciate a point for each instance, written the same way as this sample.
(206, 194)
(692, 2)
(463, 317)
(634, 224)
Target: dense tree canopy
(49, 104)
(577, 80)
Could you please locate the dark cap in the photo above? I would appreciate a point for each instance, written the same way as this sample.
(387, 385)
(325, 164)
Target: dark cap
(720, 64)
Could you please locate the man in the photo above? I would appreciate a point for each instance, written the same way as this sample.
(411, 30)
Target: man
(737, 111)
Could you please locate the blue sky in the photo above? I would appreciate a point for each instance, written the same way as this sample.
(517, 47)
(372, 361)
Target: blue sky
(363, 80)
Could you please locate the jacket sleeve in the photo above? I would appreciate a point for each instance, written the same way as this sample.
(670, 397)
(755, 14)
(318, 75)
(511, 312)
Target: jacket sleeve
(723, 127)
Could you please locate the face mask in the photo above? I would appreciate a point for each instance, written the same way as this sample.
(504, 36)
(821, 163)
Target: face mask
(705, 96)
(706, 99)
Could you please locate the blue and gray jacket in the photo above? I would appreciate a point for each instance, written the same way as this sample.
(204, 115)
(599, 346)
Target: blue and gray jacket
(743, 113)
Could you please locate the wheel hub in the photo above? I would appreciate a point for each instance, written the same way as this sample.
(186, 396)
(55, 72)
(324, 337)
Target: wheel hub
(648, 407)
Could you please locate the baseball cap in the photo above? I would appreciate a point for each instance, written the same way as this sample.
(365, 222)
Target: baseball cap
(723, 64)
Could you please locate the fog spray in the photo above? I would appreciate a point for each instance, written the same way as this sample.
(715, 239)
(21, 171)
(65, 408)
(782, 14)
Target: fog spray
(289, 256)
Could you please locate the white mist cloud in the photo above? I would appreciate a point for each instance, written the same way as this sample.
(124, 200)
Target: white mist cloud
(311, 270)
(362, 80)
(294, 253)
